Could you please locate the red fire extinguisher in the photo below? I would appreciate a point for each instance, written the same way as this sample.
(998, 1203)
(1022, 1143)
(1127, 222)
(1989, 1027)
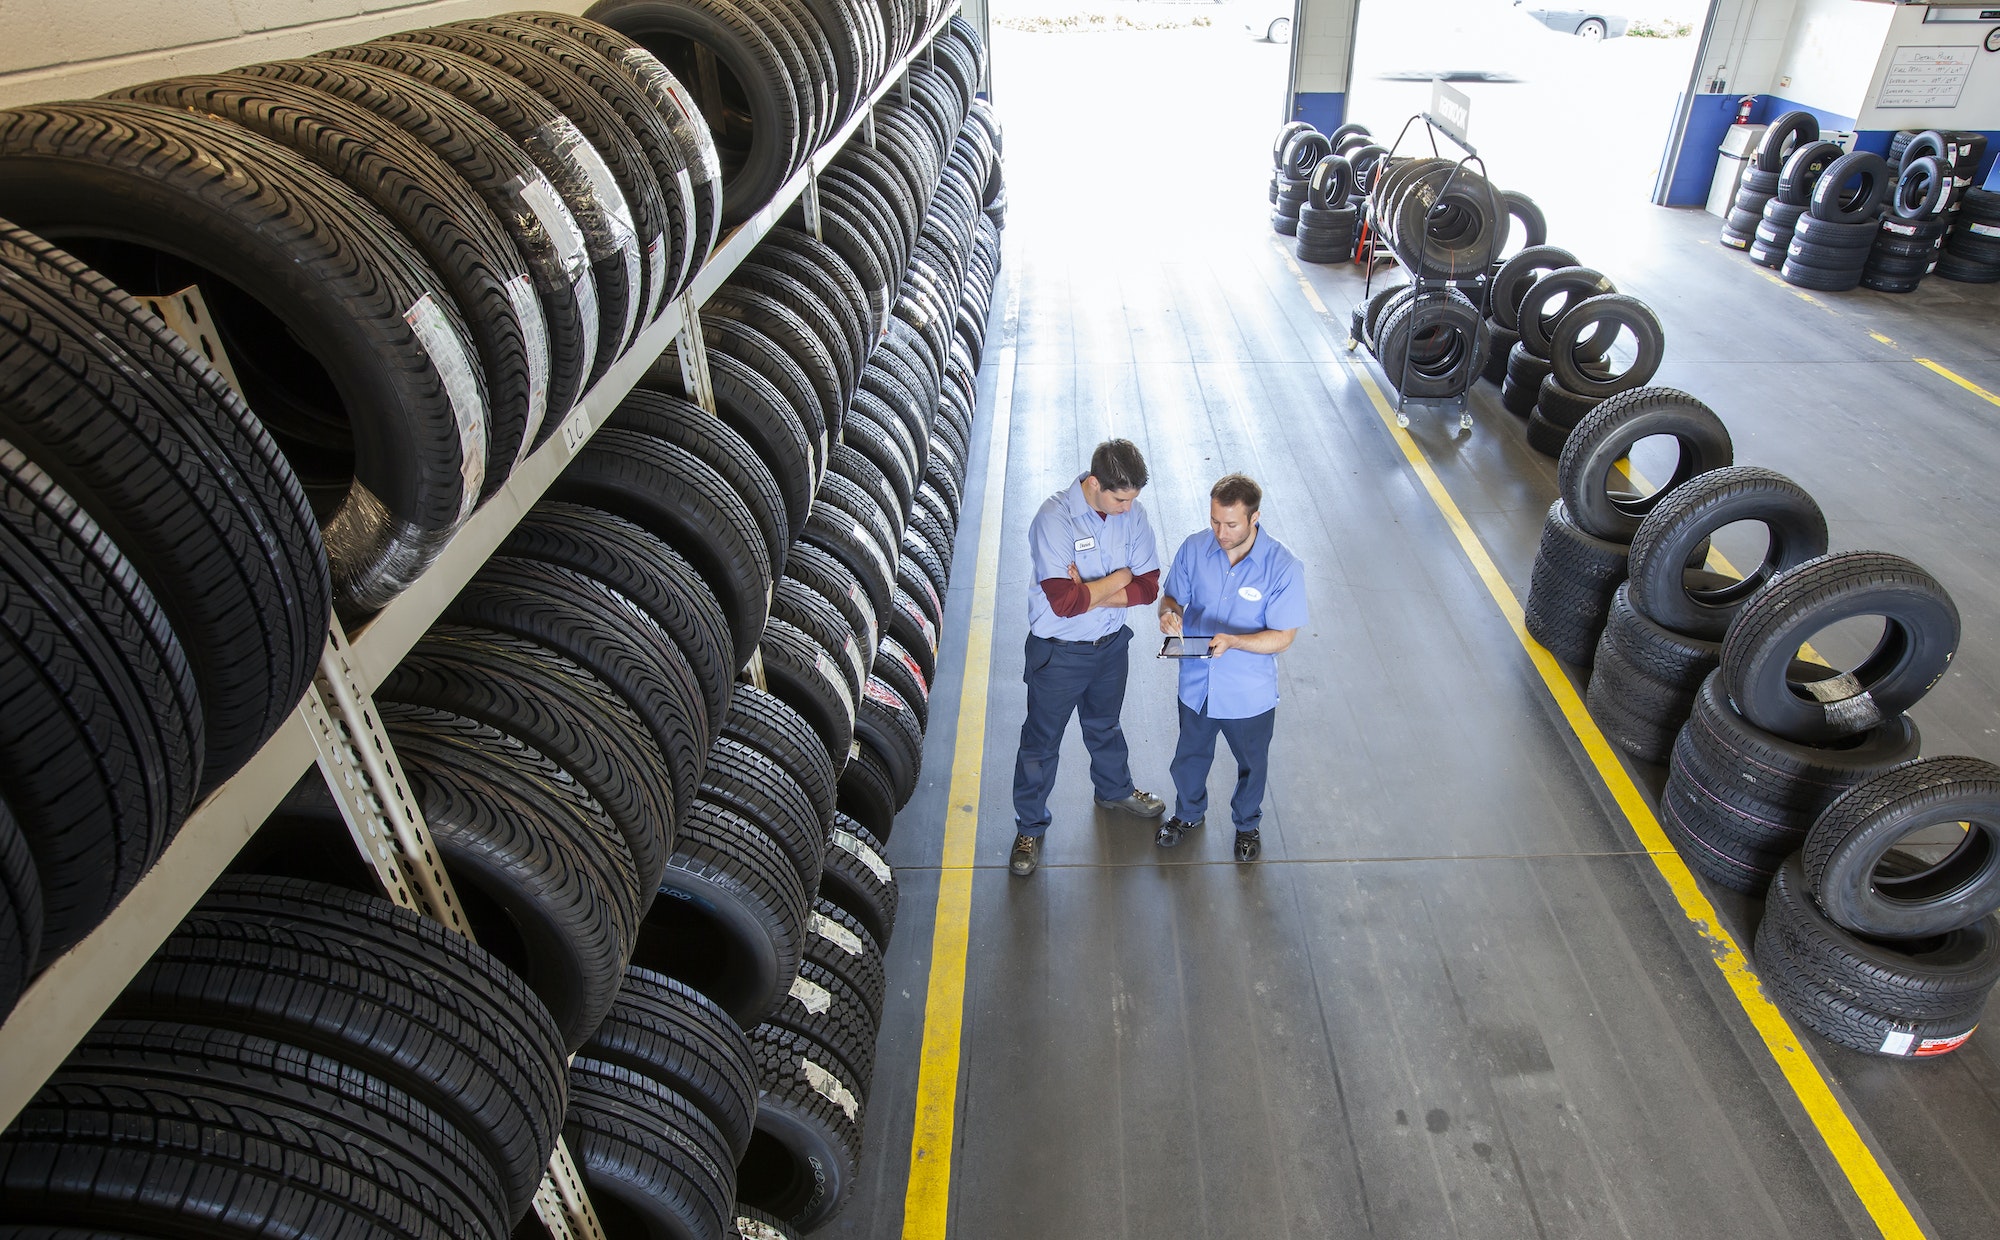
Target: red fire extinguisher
(1744, 106)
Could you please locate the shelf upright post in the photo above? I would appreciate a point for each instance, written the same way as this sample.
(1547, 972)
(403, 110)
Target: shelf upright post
(868, 125)
(809, 202)
(694, 357)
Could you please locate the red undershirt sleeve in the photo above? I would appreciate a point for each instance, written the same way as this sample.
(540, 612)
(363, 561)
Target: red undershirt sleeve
(1066, 598)
(1144, 589)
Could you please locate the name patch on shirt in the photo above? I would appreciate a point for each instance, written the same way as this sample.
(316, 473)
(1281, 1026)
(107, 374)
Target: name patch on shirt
(1086, 544)
(1249, 593)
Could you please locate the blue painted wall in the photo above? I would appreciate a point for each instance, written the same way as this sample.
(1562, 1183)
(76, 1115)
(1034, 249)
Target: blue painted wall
(1710, 119)
(1325, 111)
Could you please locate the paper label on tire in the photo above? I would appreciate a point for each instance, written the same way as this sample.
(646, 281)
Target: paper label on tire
(1940, 1046)
(812, 996)
(661, 83)
(835, 933)
(1906, 230)
(828, 1086)
(916, 673)
(862, 536)
(832, 676)
(882, 695)
(860, 597)
(853, 653)
(916, 613)
(851, 844)
(535, 340)
(1984, 230)
(751, 1229)
(453, 363)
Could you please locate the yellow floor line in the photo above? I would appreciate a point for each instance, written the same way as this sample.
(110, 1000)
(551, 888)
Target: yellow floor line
(1965, 383)
(927, 1199)
(1836, 1128)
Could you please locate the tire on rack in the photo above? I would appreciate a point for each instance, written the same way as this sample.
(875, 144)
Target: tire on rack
(561, 711)
(1920, 635)
(672, 1034)
(838, 942)
(831, 580)
(707, 438)
(175, 471)
(1849, 850)
(545, 878)
(379, 989)
(689, 131)
(859, 879)
(795, 336)
(1673, 535)
(653, 1163)
(598, 628)
(100, 744)
(730, 920)
(802, 1162)
(680, 500)
(754, 785)
(518, 193)
(808, 611)
(1607, 436)
(810, 682)
(650, 574)
(867, 791)
(1435, 343)
(764, 722)
(600, 124)
(849, 526)
(900, 670)
(254, 1135)
(433, 208)
(1571, 587)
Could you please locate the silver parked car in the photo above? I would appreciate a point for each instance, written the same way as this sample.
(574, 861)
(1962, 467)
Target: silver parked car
(1590, 24)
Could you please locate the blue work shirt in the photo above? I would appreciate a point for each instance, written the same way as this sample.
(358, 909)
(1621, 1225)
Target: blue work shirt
(1067, 530)
(1265, 590)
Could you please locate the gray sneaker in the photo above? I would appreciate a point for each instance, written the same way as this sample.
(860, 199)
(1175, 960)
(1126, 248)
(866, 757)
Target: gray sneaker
(1141, 803)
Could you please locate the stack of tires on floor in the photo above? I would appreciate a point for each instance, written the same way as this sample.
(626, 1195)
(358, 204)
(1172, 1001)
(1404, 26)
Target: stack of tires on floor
(1316, 188)
(1564, 320)
(1834, 239)
(1759, 184)
(1802, 169)
(673, 881)
(1972, 248)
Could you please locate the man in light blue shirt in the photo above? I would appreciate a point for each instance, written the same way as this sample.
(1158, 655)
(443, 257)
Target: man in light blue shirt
(1093, 556)
(1242, 594)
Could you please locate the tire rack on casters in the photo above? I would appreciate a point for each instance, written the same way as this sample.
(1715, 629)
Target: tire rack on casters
(336, 724)
(1418, 282)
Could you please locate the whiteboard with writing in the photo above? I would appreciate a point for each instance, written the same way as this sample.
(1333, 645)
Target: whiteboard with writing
(1926, 77)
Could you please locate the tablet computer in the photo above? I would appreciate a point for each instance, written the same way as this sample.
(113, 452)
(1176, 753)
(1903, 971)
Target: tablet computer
(1180, 648)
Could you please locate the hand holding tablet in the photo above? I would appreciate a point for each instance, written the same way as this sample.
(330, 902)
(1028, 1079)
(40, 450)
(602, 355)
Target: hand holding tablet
(1177, 647)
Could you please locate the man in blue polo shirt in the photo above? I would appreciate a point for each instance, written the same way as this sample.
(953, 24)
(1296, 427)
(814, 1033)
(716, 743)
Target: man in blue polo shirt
(1243, 593)
(1094, 556)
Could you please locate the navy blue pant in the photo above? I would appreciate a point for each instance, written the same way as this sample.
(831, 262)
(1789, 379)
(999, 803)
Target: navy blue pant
(1065, 678)
(1249, 740)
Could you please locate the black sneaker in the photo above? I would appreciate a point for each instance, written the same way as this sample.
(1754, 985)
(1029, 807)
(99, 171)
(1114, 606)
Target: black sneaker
(1173, 829)
(1249, 846)
(1026, 856)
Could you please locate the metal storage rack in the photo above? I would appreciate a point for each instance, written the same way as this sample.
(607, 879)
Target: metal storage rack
(1418, 281)
(335, 725)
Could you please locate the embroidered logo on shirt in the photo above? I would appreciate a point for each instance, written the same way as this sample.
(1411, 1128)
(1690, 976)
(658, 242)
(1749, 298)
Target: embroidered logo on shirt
(1249, 593)
(1086, 544)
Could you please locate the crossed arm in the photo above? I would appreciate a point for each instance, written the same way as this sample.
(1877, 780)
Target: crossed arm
(1119, 588)
(1263, 641)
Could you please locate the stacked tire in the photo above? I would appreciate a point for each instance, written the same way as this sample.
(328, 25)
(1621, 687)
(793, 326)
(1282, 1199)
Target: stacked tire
(1774, 740)
(1913, 229)
(1760, 180)
(1833, 240)
(1298, 157)
(1664, 634)
(163, 595)
(1781, 214)
(1959, 151)
(1582, 562)
(1879, 934)
(1519, 380)
(1972, 250)
(680, 873)
(1327, 221)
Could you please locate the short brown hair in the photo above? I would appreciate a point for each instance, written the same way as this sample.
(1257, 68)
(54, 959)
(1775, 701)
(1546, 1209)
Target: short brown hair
(1232, 490)
(1117, 465)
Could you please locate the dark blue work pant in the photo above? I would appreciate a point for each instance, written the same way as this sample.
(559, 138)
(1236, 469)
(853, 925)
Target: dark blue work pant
(1066, 677)
(1249, 740)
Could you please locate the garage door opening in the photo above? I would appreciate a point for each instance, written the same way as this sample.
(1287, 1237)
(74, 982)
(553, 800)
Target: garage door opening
(1572, 106)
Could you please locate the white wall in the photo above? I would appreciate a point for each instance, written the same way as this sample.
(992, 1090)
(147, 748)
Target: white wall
(1978, 107)
(1833, 48)
(68, 49)
(1324, 39)
(1747, 46)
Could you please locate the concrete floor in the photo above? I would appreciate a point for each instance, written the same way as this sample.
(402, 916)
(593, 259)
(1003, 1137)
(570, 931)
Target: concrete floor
(1455, 998)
